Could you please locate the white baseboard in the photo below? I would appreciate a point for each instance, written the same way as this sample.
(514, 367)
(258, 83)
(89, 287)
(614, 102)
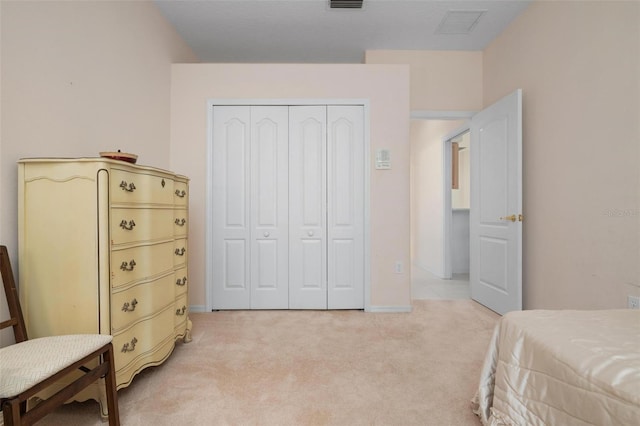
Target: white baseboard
(372, 309)
(389, 309)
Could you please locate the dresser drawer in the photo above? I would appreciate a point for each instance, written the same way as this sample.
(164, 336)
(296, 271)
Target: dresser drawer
(180, 281)
(160, 352)
(136, 263)
(140, 301)
(180, 194)
(180, 252)
(180, 222)
(134, 188)
(138, 225)
(140, 340)
(181, 309)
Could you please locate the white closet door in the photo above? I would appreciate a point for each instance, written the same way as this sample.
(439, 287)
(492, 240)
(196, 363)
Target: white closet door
(307, 207)
(231, 218)
(288, 221)
(269, 213)
(345, 204)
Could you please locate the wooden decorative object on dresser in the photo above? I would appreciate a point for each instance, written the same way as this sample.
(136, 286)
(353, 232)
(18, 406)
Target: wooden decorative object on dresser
(103, 249)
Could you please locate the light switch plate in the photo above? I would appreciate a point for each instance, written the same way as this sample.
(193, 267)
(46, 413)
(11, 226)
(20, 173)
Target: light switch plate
(383, 159)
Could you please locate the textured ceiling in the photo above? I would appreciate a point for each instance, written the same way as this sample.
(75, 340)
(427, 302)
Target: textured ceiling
(309, 31)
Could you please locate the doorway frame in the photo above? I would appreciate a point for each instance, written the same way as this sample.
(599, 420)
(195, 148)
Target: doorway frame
(447, 214)
(213, 102)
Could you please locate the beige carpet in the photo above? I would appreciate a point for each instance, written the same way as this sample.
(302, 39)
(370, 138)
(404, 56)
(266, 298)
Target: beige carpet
(313, 368)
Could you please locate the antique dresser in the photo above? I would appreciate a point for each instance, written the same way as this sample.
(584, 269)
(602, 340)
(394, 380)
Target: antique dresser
(103, 249)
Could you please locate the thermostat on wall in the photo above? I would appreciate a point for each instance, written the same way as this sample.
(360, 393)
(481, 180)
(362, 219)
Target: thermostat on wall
(383, 159)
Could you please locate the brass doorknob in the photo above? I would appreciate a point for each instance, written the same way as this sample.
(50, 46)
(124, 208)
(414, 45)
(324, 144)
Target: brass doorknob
(512, 218)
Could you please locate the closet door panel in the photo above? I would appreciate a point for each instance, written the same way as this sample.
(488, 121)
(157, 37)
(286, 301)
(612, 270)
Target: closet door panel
(269, 213)
(345, 204)
(231, 230)
(307, 207)
(288, 222)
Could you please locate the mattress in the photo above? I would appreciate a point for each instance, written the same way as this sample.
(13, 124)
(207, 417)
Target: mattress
(562, 368)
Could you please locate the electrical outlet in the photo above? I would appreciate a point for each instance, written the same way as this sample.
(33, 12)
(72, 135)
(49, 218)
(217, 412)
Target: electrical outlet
(398, 268)
(633, 302)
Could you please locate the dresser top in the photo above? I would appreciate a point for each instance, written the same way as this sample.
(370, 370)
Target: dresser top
(97, 160)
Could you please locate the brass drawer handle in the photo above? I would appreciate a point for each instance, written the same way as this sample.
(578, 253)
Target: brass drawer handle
(129, 347)
(130, 188)
(128, 266)
(180, 193)
(130, 307)
(180, 222)
(181, 312)
(128, 226)
(180, 252)
(182, 281)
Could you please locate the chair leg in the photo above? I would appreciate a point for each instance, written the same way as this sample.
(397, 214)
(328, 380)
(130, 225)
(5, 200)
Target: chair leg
(110, 385)
(11, 412)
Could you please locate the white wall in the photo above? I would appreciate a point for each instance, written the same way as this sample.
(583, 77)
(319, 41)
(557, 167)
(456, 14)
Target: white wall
(387, 89)
(427, 197)
(578, 64)
(79, 78)
(5, 336)
(440, 80)
(460, 204)
(460, 245)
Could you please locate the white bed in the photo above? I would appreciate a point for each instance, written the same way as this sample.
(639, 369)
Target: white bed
(562, 368)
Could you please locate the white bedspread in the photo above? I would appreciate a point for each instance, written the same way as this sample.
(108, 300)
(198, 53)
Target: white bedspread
(562, 368)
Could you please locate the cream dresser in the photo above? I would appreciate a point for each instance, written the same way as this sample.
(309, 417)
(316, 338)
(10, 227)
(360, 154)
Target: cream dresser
(103, 249)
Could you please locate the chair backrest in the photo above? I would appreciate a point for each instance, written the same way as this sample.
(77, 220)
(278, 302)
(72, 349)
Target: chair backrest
(10, 290)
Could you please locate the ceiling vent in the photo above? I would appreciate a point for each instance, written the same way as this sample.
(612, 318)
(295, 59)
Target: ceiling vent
(345, 4)
(459, 21)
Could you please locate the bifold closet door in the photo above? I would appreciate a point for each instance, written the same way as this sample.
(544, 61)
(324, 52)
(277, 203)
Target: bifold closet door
(326, 207)
(345, 207)
(308, 207)
(250, 233)
(269, 207)
(288, 216)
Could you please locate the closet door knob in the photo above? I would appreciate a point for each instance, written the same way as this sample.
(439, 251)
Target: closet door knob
(310, 233)
(266, 234)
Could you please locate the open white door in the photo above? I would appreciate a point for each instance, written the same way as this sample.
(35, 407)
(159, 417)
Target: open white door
(496, 205)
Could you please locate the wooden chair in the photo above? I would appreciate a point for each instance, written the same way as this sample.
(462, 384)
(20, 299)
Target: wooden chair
(30, 366)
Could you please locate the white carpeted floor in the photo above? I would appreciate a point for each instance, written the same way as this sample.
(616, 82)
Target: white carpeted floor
(313, 368)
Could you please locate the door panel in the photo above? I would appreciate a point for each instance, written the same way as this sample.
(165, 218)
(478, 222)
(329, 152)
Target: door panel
(269, 215)
(344, 256)
(235, 265)
(345, 204)
(277, 172)
(496, 198)
(231, 136)
(493, 152)
(492, 272)
(307, 207)
(313, 270)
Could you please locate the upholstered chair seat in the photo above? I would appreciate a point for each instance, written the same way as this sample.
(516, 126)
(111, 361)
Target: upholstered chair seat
(31, 366)
(27, 364)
